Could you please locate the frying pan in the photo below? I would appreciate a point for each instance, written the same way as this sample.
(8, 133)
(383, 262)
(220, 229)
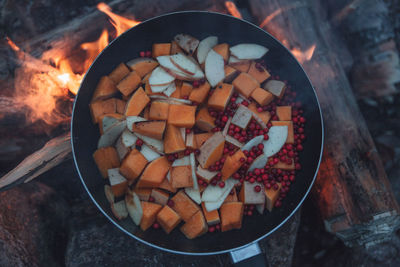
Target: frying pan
(233, 31)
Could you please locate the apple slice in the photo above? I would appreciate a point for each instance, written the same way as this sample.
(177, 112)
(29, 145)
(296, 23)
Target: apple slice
(183, 63)
(119, 210)
(258, 163)
(253, 142)
(233, 141)
(109, 194)
(183, 133)
(173, 70)
(111, 135)
(159, 88)
(172, 100)
(130, 120)
(248, 195)
(158, 145)
(235, 61)
(260, 208)
(277, 138)
(186, 42)
(242, 117)
(226, 128)
(109, 120)
(193, 165)
(170, 89)
(149, 153)
(133, 206)
(128, 138)
(194, 194)
(248, 51)
(160, 77)
(205, 46)
(185, 161)
(169, 176)
(190, 141)
(205, 174)
(122, 150)
(214, 68)
(213, 205)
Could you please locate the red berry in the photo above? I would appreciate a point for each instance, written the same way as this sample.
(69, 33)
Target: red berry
(242, 160)
(299, 147)
(221, 184)
(139, 142)
(260, 146)
(142, 53)
(298, 166)
(170, 203)
(224, 118)
(266, 137)
(260, 109)
(249, 213)
(252, 180)
(211, 229)
(171, 158)
(218, 227)
(276, 160)
(151, 199)
(156, 226)
(249, 160)
(257, 188)
(188, 130)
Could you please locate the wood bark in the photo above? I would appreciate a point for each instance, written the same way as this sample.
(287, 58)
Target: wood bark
(353, 193)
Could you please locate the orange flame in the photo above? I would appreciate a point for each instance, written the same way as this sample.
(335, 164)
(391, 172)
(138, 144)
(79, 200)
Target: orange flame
(232, 9)
(303, 56)
(120, 24)
(94, 48)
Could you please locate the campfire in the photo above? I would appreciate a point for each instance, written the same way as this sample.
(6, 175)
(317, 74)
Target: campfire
(46, 81)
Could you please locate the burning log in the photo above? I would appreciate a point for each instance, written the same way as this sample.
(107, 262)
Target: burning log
(352, 190)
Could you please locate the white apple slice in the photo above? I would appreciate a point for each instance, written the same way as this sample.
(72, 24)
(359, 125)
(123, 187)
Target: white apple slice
(170, 89)
(169, 176)
(253, 142)
(122, 150)
(212, 193)
(115, 177)
(250, 196)
(183, 63)
(277, 138)
(109, 137)
(242, 117)
(226, 128)
(205, 46)
(213, 205)
(172, 100)
(248, 51)
(258, 163)
(107, 122)
(205, 174)
(260, 208)
(233, 141)
(275, 87)
(183, 133)
(190, 140)
(235, 61)
(128, 138)
(109, 194)
(186, 42)
(119, 210)
(130, 120)
(239, 99)
(173, 70)
(159, 88)
(158, 145)
(194, 194)
(149, 153)
(193, 165)
(259, 120)
(185, 161)
(209, 146)
(160, 77)
(214, 68)
(134, 207)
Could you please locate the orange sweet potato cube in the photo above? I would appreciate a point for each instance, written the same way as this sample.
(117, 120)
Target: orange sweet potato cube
(106, 158)
(137, 103)
(184, 206)
(175, 48)
(101, 107)
(173, 141)
(195, 226)
(199, 94)
(158, 110)
(245, 84)
(220, 97)
(142, 66)
(186, 89)
(265, 116)
(154, 173)
(146, 113)
(153, 129)
(284, 113)
(284, 166)
(232, 164)
(161, 49)
(204, 120)
(177, 92)
(105, 89)
(242, 66)
(223, 50)
(120, 106)
(166, 185)
(119, 73)
(212, 217)
(160, 197)
(289, 124)
(231, 197)
(202, 138)
(118, 183)
(259, 74)
(168, 219)
(231, 216)
(182, 115)
(143, 193)
(133, 165)
(211, 150)
(181, 176)
(271, 195)
(263, 97)
(150, 211)
(230, 73)
(128, 84)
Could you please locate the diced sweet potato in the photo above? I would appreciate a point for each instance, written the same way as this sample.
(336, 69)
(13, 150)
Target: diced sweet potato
(175, 48)
(263, 97)
(284, 166)
(158, 110)
(284, 113)
(231, 197)
(101, 107)
(133, 165)
(161, 49)
(211, 150)
(153, 129)
(128, 84)
(275, 87)
(232, 164)
(184, 206)
(105, 89)
(245, 84)
(118, 183)
(137, 103)
(168, 219)
(106, 158)
(248, 195)
(146, 113)
(289, 124)
(202, 138)
(204, 120)
(231, 216)
(230, 73)
(150, 211)
(154, 173)
(259, 74)
(242, 66)
(186, 89)
(177, 92)
(142, 66)
(223, 50)
(160, 197)
(119, 210)
(119, 73)
(271, 195)
(182, 115)
(173, 141)
(212, 217)
(181, 176)
(200, 93)
(120, 106)
(143, 193)
(166, 185)
(195, 227)
(265, 116)
(220, 97)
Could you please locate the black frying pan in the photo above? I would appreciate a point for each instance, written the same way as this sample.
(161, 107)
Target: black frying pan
(200, 25)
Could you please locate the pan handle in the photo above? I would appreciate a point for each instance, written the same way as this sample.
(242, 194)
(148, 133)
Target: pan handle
(249, 256)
